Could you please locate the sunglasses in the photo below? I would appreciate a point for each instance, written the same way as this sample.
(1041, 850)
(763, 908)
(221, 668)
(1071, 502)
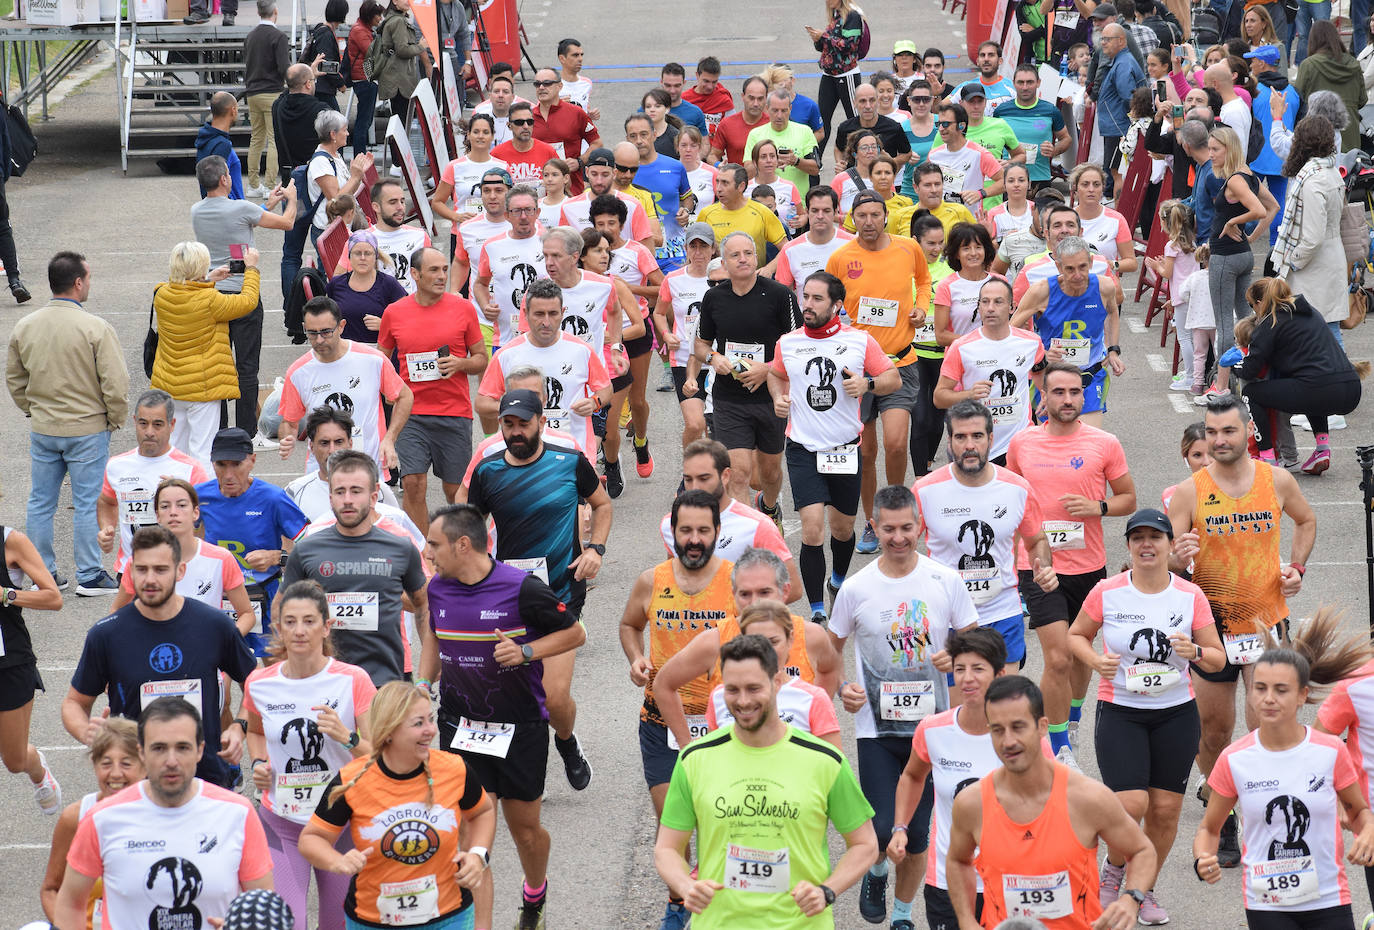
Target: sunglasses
(944, 123)
(546, 83)
(522, 122)
(630, 169)
(920, 99)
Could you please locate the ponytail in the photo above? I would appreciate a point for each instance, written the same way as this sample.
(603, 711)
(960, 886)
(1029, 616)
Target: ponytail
(1269, 296)
(343, 789)
(1321, 653)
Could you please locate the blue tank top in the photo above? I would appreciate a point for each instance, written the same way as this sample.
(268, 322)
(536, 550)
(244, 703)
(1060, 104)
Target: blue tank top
(1074, 319)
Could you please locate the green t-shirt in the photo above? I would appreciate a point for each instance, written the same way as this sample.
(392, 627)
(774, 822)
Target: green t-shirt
(929, 348)
(798, 137)
(997, 137)
(771, 802)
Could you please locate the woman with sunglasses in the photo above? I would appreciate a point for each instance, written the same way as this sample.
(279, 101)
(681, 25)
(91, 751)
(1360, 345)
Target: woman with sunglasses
(861, 151)
(921, 133)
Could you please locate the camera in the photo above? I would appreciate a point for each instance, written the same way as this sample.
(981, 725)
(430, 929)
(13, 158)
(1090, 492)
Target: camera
(237, 266)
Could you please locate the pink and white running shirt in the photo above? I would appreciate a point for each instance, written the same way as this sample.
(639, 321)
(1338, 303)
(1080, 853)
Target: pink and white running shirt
(822, 415)
(355, 383)
(683, 292)
(1350, 707)
(1292, 854)
(170, 867)
(132, 480)
(800, 703)
(572, 370)
(1007, 363)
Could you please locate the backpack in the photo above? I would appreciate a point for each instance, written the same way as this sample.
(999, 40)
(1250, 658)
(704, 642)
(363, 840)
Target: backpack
(293, 243)
(313, 48)
(1254, 145)
(865, 39)
(23, 145)
(1207, 26)
(310, 282)
(376, 56)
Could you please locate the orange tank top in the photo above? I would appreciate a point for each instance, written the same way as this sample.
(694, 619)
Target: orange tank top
(674, 619)
(1237, 565)
(798, 661)
(1037, 869)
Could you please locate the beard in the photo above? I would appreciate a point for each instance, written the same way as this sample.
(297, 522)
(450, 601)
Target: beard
(962, 461)
(694, 556)
(520, 447)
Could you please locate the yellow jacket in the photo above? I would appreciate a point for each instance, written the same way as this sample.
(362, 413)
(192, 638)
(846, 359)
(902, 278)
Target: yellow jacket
(194, 361)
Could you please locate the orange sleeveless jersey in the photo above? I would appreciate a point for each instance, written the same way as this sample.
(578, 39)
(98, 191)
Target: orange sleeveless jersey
(674, 618)
(409, 842)
(1029, 855)
(798, 661)
(1237, 565)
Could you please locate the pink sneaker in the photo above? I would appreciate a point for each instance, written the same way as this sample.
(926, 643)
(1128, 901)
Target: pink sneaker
(1151, 914)
(1109, 886)
(1318, 462)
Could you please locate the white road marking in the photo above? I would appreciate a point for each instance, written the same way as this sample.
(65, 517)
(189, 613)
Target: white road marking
(1136, 326)
(1157, 362)
(1182, 405)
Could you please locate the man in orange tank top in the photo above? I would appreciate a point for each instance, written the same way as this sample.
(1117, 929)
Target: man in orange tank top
(1226, 521)
(1030, 831)
(675, 600)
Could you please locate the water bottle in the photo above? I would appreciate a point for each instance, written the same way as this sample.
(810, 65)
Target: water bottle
(1064, 66)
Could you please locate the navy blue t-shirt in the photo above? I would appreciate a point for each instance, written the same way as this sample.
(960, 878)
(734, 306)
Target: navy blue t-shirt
(535, 509)
(256, 519)
(129, 658)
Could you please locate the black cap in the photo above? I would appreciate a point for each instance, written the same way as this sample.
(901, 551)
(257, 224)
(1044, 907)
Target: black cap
(973, 89)
(521, 403)
(601, 157)
(231, 445)
(867, 196)
(259, 909)
(1151, 518)
(1105, 11)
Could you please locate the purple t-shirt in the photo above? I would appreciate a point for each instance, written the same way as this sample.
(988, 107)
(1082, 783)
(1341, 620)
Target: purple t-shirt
(465, 619)
(354, 305)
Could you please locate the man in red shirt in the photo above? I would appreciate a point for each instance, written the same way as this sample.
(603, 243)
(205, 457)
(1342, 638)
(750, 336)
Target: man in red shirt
(563, 125)
(524, 155)
(438, 342)
(728, 140)
(713, 100)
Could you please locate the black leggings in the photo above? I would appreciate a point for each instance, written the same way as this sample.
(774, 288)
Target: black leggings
(836, 90)
(1271, 398)
(927, 421)
(1326, 918)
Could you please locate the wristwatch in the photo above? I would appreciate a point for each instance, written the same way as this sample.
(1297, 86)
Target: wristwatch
(353, 740)
(1135, 894)
(618, 347)
(11, 595)
(1111, 349)
(598, 548)
(1103, 505)
(829, 894)
(242, 723)
(528, 652)
(483, 852)
(870, 384)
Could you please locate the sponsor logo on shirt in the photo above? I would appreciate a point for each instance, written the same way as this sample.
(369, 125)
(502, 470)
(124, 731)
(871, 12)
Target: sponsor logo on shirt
(963, 764)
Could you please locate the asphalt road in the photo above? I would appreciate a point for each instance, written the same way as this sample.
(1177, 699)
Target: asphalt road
(74, 197)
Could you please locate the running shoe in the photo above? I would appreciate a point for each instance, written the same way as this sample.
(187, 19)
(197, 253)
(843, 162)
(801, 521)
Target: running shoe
(1181, 383)
(775, 512)
(1109, 886)
(1151, 914)
(48, 793)
(873, 898)
(531, 916)
(1368, 922)
(1300, 421)
(19, 291)
(868, 542)
(615, 484)
(1335, 421)
(264, 443)
(675, 917)
(100, 584)
(644, 462)
(1228, 850)
(818, 616)
(833, 589)
(61, 580)
(902, 925)
(228, 19)
(1065, 756)
(575, 764)
(1073, 732)
(1318, 462)
(1202, 399)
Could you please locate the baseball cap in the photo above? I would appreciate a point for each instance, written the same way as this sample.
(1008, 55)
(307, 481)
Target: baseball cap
(521, 403)
(1151, 518)
(973, 89)
(231, 445)
(701, 232)
(867, 196)
(1105, 11)
(259, 909)
(904, 45)
(1269, 54)
(500, 174)
(602, 157)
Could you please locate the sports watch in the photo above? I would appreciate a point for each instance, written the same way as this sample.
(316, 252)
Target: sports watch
(528, 652)
(829, 894)
(598, 548)
(353, 740)
(1134, 894)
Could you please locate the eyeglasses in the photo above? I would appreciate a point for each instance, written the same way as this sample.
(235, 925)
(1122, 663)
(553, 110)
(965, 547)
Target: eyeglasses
(546, 83)
(523, 211)
(920, 99)
(628, 169)
(866, 148)
(320, 333)
(522, 122)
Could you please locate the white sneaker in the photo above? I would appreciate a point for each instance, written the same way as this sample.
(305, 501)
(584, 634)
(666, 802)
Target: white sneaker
(48, 793)
(1335, 421)
(1300, 421)
(1065, 756)
(1181, 383)
(261, 442)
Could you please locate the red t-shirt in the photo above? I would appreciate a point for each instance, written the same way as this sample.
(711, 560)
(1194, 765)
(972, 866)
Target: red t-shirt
(414, 331)
(526, 167)
(731, 135)
(718, 103)
(566, 129)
